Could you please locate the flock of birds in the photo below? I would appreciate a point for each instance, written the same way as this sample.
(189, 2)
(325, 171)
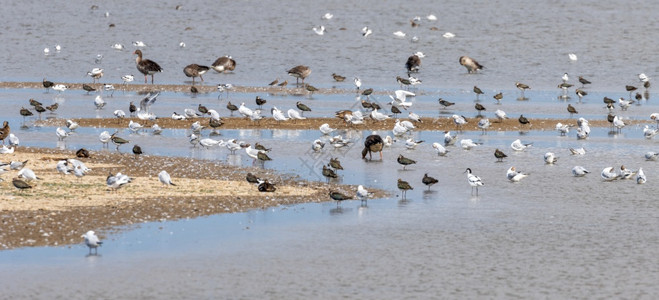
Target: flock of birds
(370, 112)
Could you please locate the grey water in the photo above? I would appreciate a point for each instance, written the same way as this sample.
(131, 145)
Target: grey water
(549, 236)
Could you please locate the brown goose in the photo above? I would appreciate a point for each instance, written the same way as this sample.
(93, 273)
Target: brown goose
(373, 143)
(146, 66)
(4, 131)
(224, 64)
(195, 70)
(299, 72)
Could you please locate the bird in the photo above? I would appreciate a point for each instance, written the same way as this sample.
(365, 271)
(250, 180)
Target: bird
(88, 88)
(640, 176)
(127, 78)
(565, 77)
(47, 84)
(449, 139)
(428, 181)
(523, 120)
(480, 108)
(572, 56)
(578, 151)
(580, 93)
(310, 88)
(338, 78)
(328, 173)
(362, 193)
(195, 70)
(498, 97)
(99, 102)
(413, 63)
(299, 72)
(467, 144)
(261, 156)
(571, 109)
(164, 178)
(317, 145)
(335, 164)
(514, 175)
(404, 186)
(517, 145)
(27, 174)
(319, 30)
(302, 107)
(224, 64)
(563, 129)
(60, 87)
(266, 186)
(459, 121)
(92, 241)
(651, 155)
(522, 87)
(372, 143)
(327, 16)
(338, 197)
(499, 155)
(477, 91)
(405, 161)
(5, 131)
(583, 81)
(146, 66)
(473, 180)
(608, 174)
(61, 134)
(366, 31)
(13, 140)
(20, 184)
(441, 151)
(445, 103)
(618, 123)
(118, 141)
(472, 65)
(579, 171)
(411, 143)
(325, 129)
(550, 158)
(137, 150)
(626, 173)
(25, 113)
(357, 82)
(501, 115)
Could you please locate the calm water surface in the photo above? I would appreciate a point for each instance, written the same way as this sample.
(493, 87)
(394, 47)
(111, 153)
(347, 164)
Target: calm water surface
(548, 236)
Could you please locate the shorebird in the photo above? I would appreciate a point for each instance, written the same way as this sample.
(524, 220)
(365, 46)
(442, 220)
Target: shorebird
(522, 87)
(498, 97)
(13, 140)
(146, 66)
(366, 31)
(579, 171)
(302, 107)
(478, 92)
(224, 64)
(357, 82)
(499, 155)
(583, 81)
(441, 151)
(480, 108)
(47, 84)
(523, 121)
(459, 121)
(338, 78)
(328, 173)
(92, 241)
(61, 134)
(164, 178)
(231, 107)
(319, 30)
(640, 177)
(372, 143)
(20, 184)
(473, 180)
(550, 158)
(571, 110)
(472, 65)
(428, 181)
(514, 175)
(118, 141)
(445, 103)
(517, 145)
(405, 161)
(404, 186)
(195, 70)
(338, 197)
(60, 87)
(95, 74)
(413, 63)
(608, 174)
(137, 150)
(310, 88)
(299, 72)
(25, 113)
(127, 78)
(4, 131)
(266, 186)
(580, 93)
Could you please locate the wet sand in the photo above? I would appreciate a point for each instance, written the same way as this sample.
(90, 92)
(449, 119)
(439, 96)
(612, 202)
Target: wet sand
(442, 124)
(58, 208)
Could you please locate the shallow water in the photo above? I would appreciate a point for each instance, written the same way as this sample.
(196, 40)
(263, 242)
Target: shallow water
(550, 235)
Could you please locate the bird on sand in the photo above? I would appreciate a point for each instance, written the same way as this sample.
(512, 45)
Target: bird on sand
(164, 178)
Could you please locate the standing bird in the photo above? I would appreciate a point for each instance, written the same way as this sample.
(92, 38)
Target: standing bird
(338, 197)
(92, 241)
(118, 141)
(373, 143)
(358, 82)
(224, 64)
(499, 155)
(480, 108)
(47, 84)
(522, 87)
(428, 181)
(195, 70)
(478, 92)
(404, 186)
(25, 113)
(335, 164)
(498, 97)
(445, 103)
(338, 78)
(231, 107)
(413, 63)
(583, 81)
(302, 107)
(164, 178)
(137, 150)
(299, 72)
(328, 173)
(474, 181)
(571, 110)
(146, 66)
(469, 63)
(4, 131)
(523, 120)
(405, 161)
